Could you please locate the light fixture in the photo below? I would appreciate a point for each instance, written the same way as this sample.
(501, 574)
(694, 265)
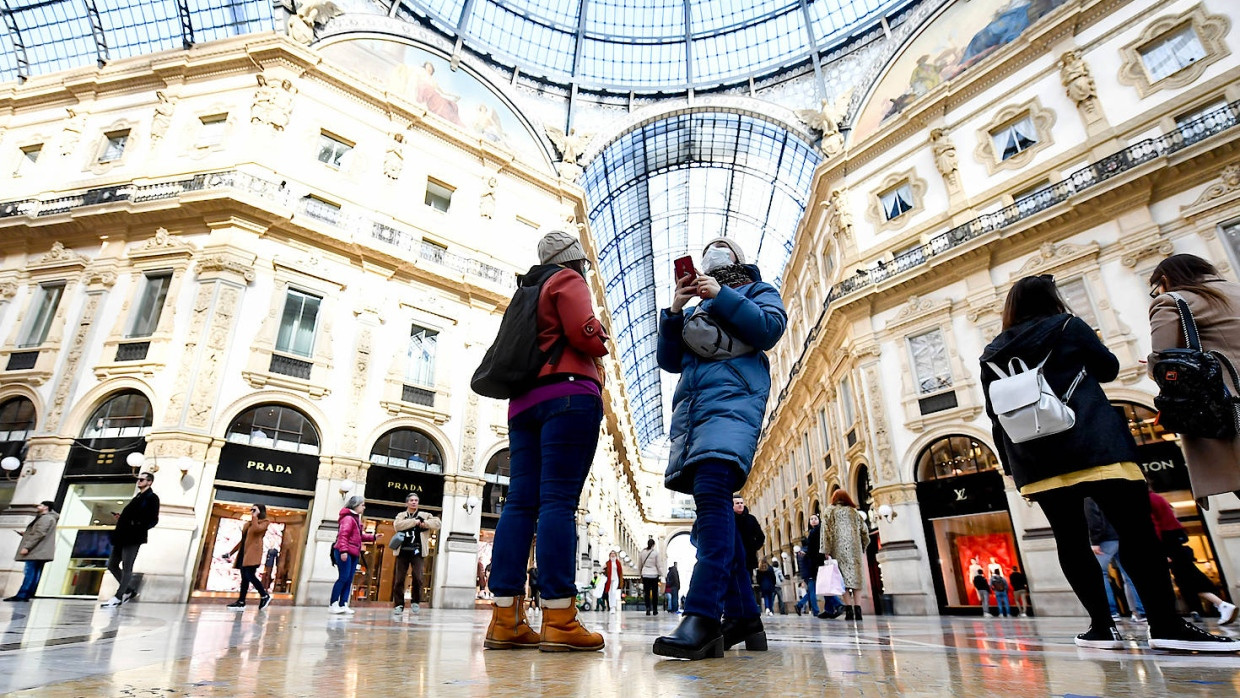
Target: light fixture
(589, 519)
(886, 513)
(136, 460)
(10, 464)
(796, 549)
(470, 503)
(346, 486)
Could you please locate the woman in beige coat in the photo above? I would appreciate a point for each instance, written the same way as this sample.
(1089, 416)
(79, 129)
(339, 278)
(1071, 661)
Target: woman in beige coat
(1213, 464)
(845, 537)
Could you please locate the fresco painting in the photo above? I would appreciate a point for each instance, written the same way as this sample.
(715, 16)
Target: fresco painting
(426, 79)
(965, 34)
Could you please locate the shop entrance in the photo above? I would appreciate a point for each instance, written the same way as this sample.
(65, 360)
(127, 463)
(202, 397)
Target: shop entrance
(967, 523)
(283, 544)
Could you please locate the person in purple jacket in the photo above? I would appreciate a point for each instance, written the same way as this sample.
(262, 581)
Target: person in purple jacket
(347, 552)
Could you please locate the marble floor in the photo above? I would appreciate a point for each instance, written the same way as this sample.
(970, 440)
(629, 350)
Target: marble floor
(74, 648)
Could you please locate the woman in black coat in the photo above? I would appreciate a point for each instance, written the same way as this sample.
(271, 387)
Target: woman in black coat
(1096, 458)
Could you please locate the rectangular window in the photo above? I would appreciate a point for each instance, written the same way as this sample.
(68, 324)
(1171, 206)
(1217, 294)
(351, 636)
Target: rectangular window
(297, 325)
(421, 367)
(30, 156)
(826, 430)
(438, 195)
(1015, 138)
(1171, 54)
(42, 311)
(1231, 237)
(1076, 294)
(931, 366)
(897, 201)
(113, 146)
(846, 403)
(332, 150)
(211, 133)
(146, 316)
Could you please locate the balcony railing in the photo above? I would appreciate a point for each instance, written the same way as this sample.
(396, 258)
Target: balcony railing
(22, 360)
(288, 366)
(418, 396)
(279, 193)
(132, 351)
(1205, 126)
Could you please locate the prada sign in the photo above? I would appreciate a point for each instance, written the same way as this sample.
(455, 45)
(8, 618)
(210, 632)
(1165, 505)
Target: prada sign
(394, 484)
(265, 466)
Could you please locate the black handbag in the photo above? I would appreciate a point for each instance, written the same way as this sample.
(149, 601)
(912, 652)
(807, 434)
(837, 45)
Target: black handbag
(1193, 397)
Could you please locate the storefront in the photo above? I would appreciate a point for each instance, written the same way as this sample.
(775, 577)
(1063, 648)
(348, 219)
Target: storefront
(97, 484)
(965, 513)
(270, 458)
(17, 420)
(403, 462)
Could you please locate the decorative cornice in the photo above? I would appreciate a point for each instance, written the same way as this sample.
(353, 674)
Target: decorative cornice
(1050, 255)
(1228, 184)
(57, 258)
(225, 263)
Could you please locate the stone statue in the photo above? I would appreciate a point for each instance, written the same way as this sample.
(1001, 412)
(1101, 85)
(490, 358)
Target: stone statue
(72, 132)
(840, 220)
(273, 103)
(572, 146)
(163, 115)
(486, 205)
(394, 159)
(944, 152)
(311, 14)
(826, 120)
(1076, 78)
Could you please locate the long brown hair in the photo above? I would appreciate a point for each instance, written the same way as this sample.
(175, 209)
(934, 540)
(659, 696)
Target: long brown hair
(1031, 298)
(841, 497)
(1187, 272)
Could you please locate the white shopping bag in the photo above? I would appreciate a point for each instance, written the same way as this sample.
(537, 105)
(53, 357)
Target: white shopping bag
(830, 582)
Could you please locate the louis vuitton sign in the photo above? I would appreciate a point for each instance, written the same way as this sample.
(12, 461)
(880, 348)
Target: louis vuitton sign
(265, 466)
(394, 484)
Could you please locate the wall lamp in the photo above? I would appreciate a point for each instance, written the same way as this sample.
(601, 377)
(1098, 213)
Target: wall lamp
(886, 513)
(10, 465)
(136, 460)
(346, 486)
(470, 503)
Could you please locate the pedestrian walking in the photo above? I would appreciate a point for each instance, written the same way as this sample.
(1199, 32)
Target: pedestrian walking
(651, 567)
(249, 554)
(811, 552)
(37, 548)
(1020, 589)
(766, 585)
(614, 572)
(999, 586)
(845, 536)
(133, 523)
(673, 589)
(1105, 544)
(413, 530)
(347, 552)
(718, 348)
(1193, 584)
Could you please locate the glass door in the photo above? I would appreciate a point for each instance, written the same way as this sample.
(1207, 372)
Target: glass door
(86, 522)
(282, 550)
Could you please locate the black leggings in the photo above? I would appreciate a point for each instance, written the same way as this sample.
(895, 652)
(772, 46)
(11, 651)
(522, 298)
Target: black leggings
(650, 587)
(1126, 504)
(249, 575)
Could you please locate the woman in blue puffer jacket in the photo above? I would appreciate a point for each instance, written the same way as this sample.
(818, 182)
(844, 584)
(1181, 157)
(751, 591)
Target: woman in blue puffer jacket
(717, 412)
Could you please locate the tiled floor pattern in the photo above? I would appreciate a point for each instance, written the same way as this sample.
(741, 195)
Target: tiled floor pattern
(72, 648)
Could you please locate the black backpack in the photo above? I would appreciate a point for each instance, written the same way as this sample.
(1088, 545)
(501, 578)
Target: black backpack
(1193, 398)
(512, 364)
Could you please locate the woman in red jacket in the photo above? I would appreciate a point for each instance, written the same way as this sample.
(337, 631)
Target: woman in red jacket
(1190, 580)
(347, 552)
(614, 589)
(553, 430)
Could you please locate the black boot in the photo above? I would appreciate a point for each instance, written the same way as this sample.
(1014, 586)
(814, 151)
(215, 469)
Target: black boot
(848, 613)
(746, 630)
(695, 638)
(856, 613)
(832, 614)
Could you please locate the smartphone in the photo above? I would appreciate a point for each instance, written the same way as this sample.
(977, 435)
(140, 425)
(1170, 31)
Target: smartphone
(684, 267)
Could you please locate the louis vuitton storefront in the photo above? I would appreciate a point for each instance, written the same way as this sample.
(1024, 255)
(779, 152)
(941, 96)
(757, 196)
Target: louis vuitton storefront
(271, 458)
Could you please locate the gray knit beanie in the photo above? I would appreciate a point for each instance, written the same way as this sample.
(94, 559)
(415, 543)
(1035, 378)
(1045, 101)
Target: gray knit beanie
(558, 247)
(736, 250)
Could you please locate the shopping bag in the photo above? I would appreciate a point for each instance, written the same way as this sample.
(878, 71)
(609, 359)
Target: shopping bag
(830, 582)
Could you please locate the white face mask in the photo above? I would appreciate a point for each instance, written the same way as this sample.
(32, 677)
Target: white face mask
(716, 257)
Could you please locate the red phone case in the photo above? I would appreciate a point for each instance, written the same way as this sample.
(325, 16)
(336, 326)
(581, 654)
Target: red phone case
(683, 267)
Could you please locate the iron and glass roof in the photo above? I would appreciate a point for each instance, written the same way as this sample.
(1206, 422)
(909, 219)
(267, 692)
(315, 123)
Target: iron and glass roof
(44, 36)
(661, 191)
(649, 45)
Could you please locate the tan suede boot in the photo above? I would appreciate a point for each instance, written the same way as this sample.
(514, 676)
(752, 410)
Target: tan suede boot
(509, 630)
(562, 632)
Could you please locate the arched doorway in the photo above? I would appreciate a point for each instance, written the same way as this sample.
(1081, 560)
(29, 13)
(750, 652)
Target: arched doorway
(1165, 470)
(17, 419)
(403, 461)
(97, 483)
(494, 493)
(965, 513)
(270, 456)
(680, 550)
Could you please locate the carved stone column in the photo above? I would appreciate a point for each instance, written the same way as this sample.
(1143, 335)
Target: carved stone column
(457, 564)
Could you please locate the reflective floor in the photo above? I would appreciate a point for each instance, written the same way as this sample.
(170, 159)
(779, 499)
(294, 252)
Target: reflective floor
(73, 648)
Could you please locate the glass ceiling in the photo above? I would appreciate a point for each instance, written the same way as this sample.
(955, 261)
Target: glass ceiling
(44, 36)
(646, 45)
(661, 191)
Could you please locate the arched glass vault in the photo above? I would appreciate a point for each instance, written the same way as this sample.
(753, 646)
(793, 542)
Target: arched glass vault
(661, 191)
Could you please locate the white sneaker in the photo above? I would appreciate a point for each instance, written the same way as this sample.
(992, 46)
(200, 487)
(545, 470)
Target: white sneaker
(768, 613)
(397, 610)
(1226, 613)
(335, 609)
(415, 607)
(346, 609)
(111, 603)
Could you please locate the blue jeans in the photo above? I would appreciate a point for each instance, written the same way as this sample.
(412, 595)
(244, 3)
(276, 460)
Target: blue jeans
(34, 570)
(984, 596)
(1110, 548)
(1001, 600)
(673, 600)
(552, 446)
(768, 600)
(346, 567)
(720, 584)
(811, 597)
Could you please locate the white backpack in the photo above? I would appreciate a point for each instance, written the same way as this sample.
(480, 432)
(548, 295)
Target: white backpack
(1027, 407)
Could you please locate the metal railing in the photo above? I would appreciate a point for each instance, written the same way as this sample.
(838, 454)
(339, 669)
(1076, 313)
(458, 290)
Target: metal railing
(280, 193)
(132, 351)
(418, 396)
(288, 366)
(22, 360)
(1189, 133)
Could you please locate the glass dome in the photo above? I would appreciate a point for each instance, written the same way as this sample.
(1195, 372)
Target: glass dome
(650, 45)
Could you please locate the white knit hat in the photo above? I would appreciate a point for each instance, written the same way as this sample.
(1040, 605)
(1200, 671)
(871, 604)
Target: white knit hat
(558, 247)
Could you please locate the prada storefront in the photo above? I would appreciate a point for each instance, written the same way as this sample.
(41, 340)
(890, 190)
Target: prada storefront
(271, 458)
(403, 462)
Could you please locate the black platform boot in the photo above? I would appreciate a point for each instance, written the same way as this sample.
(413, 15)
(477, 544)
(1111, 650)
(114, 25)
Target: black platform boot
(746, 630)
(856, 613)
(848, 613)
(695, 638)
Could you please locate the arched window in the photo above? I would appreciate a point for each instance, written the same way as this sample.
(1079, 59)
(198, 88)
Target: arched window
(407, 448)
(16, 419)
(278, 427)
(496, 475)
(126, 414)
(952, 456)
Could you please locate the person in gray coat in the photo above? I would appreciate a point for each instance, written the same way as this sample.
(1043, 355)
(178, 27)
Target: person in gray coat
(37, 547)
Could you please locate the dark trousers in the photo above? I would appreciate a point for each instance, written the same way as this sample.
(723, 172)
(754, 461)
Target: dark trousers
(721, 584)
(120, 564)
(673, 599)
(249, 576)
(405, 565)
(346, 567)
(552, 446)
(1126, 505)
(30, 582)
(650, 590)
